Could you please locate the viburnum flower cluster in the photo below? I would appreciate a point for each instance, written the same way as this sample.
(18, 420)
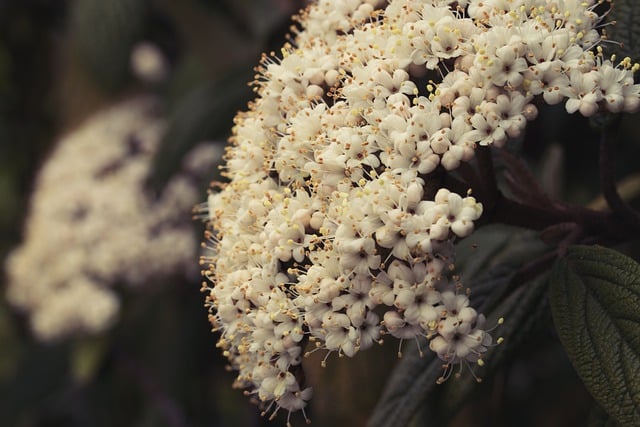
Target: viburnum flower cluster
(333, 228)
(93, 224)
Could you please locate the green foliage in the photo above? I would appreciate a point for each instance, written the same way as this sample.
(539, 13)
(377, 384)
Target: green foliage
(104, 33)
(626, 31)
(599, 418)
(86, 356)
(257, 18)
(523, 311)
(491, 270)
(412, 379)
(34, 383)
(595, 300)
(203, 115)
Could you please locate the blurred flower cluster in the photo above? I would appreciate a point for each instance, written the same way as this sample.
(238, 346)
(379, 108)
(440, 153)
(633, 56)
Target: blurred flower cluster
(93, 224)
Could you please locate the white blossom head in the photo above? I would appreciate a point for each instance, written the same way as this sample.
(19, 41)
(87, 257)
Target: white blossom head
(93, 225)
(333, 228)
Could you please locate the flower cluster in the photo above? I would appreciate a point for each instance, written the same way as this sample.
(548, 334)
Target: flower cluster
(92, 224)
(333, 228)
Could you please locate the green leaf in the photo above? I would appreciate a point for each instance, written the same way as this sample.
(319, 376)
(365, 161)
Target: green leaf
(87, 355)
(412, 379)
(599, 418)
(415, 378)
(205, 114)
(523, 312)
(595, 301)
(104, 33)
(485, 248)
(40, 374)
(488, 271)
(626, 14)
(258, 18)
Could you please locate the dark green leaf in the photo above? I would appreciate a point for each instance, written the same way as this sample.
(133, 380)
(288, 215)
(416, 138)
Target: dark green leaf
(626, 31)
(488, 271)
(488, 258)
(104, 33)
(87, 355)
(483, 249)
(205, 114)
(412, 379)
(40, 375)
(522, 312)
(595, 300)
(258, 18)
(599, 418)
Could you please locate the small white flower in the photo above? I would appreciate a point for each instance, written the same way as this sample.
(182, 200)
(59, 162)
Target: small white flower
(334, 172)
(584, 93)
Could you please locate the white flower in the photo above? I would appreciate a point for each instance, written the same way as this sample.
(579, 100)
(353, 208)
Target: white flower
(507, 67)
(334, 172)
(487, 129)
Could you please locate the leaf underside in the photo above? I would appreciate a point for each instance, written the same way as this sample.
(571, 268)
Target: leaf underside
(489, 273)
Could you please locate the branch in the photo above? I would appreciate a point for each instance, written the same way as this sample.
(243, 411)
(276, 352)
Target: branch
(597, 225)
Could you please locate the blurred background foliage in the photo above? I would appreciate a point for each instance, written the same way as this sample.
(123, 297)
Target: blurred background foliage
(62, 60)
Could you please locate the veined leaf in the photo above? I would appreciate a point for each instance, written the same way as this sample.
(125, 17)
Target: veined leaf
(595, 301)
(104, 33)
(523, 312)
(205, 114)
(626, 14)
(489, 273)
(412, 379)
(599, 418)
